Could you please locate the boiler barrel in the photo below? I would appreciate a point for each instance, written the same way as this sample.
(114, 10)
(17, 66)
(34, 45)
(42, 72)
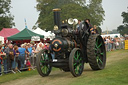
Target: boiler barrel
(61, 45)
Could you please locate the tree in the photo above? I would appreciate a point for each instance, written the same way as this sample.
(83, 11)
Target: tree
(123, 29)
(125, 17)
(70, 9)
(6, 19)
(95, 12)
(99, 30)
(45, 16)
(114, 31)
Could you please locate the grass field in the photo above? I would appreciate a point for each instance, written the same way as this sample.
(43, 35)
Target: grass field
(115, 73)
(9, 77)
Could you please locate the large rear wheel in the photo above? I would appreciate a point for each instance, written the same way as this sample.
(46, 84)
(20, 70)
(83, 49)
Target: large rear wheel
(43, 66)
(76, 62)
(96, 52)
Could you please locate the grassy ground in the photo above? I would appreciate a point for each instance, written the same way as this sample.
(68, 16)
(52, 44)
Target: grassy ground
(115, 52)
(9, 77)
(24, 74)
(115, 73)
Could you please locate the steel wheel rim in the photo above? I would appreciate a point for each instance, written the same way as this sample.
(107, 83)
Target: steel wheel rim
(78, 62)
(99, 51)
(44, 66)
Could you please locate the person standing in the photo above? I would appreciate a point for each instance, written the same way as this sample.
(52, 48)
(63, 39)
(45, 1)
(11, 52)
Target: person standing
(106, 43)
(21, 56)
(78, 25)
(29, 49)
(89, 24)
(34, 52)
(27, 57)
(2, 54)
(26, 51)
(40, 46)
(85, 26)
(10, 57)
(16, 54)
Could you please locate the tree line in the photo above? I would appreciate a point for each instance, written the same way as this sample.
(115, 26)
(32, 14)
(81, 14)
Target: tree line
(79, 9)
(123, 29)
(6, 19)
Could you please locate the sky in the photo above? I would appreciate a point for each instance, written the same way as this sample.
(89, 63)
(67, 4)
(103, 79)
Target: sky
(25, 9)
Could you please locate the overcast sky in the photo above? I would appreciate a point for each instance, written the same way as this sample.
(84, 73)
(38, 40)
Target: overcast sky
(25, 9)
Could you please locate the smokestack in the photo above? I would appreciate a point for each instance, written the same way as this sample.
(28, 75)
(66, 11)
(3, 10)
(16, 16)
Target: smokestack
(57, 17)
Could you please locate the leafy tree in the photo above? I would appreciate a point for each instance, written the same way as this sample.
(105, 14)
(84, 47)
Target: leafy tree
(123, 29)
(96, 12)
(114, 31)
(6, 19)
(99, 30)
(70, 9)
(125, 17)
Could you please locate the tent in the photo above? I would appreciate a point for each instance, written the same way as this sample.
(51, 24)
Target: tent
(111, 35)
(52, 35)
(46, 34)
(25, 34)
(1, 40)
(7, 32)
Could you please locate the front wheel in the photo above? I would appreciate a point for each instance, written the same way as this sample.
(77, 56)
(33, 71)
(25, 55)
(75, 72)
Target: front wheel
(76, 62)
(43, 66)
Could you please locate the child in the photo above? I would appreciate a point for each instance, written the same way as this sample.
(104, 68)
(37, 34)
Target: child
(28, 64)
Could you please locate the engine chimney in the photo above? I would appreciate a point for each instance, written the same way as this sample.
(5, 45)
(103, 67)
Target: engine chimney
(57, 17)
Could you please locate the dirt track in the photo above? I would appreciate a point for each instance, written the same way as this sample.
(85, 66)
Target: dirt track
(63, 78)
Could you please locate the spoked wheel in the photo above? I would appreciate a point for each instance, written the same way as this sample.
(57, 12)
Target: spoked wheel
(96, 52)
(76, 62)
(42, 63)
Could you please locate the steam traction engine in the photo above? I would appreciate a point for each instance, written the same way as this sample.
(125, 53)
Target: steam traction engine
(70, 49)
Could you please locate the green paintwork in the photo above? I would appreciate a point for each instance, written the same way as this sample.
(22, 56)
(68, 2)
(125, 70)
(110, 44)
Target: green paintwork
(76, 65)
(98, 47)
(44, 68)
(98, 59)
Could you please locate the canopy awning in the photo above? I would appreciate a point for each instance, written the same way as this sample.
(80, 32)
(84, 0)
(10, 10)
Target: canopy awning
(25, 34)
(7, 32)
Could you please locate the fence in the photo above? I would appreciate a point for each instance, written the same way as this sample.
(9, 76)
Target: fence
(7, 66)
(115, 46)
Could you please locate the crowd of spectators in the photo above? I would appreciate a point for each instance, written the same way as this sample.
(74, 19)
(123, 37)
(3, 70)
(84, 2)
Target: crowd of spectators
(114, 43)
(14, 58)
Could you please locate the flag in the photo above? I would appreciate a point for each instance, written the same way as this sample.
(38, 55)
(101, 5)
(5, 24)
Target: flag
(25, 23)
